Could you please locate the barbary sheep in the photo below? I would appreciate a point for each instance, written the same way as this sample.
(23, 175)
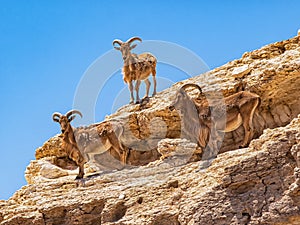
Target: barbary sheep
(238, 109)
(69, 143)
(136, 67)
(109, 137)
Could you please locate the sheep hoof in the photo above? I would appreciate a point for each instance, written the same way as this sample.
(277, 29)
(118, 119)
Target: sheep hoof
(242, 146)
(145, 100)
(138, 102)
(78, 177)
(154, 93)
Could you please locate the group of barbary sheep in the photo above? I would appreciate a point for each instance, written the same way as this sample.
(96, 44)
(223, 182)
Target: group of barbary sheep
(197, 118)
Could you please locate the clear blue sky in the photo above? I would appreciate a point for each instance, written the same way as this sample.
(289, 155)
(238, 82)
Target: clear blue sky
(46, 46)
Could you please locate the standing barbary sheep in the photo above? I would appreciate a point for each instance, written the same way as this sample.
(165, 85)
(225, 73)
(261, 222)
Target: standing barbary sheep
(69, 143)
(136, 67)
(240, 108)
(194, 128)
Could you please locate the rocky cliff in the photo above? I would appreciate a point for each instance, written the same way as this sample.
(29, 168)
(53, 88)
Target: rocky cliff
(165, 181)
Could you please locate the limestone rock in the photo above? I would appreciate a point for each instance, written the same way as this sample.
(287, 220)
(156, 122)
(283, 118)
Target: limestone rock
(178, 149)
(239, 72)
(52, 147)
(39, 170)
(259, 184)
(253, 185)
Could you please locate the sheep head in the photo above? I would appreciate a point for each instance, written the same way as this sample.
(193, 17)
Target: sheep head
(182, 100)
(64, 120)
(126, 47)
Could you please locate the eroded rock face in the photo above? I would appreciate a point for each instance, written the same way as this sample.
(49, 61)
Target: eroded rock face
(258, 188)
(255, 185)
(180, 150)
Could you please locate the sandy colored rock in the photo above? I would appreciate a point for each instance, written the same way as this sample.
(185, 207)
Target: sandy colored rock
(259, 184)
(52, 147)
(180, 150)
(254, 185)
(38, 170)
(239, 72)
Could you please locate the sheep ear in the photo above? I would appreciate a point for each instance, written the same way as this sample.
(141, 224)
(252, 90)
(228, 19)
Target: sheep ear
(133, 46)
(71, 118)
(117, 48)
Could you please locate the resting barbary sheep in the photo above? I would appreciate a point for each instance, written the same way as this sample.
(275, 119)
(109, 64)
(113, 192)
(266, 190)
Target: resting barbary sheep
(109, 136)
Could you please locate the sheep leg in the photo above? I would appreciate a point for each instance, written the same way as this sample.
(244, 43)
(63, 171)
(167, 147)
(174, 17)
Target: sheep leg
(247, 134)
(92, 161)
(248, 122)
(130, 86)
(147, 82)
(206, 145)
(247, 127)
(215, 139)
(137, 88)
(114, 139)
(126, 156)
(123, 156)
(154, 81)
(76, 156)
(81, 171)
(91, 156)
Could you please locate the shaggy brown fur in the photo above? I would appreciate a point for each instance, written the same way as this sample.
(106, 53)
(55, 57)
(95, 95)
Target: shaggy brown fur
(136, 67)
(238, 109)
(69, 143)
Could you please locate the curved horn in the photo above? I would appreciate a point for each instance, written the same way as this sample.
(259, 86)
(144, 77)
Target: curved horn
(56, 116)
(130, 40)
(71, 112)
(191, 85)
(117, 41)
